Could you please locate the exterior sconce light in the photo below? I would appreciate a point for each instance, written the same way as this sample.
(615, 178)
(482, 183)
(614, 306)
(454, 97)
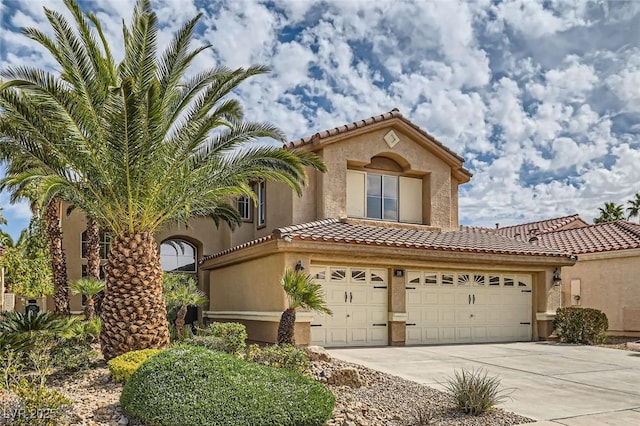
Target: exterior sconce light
(557, 279)
(398, 272)
(299, 266)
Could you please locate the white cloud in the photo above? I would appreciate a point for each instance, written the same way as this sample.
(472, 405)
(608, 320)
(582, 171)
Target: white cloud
(541, 97)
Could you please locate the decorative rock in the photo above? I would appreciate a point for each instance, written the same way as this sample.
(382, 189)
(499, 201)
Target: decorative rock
(634, 346)
(346, 377)
(317, 353)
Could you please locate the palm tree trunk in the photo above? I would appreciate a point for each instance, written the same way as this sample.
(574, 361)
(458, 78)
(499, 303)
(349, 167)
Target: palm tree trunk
(286, 327)
(182, 313)
(58, 258)
(133, 311)
(93, 258)
(89, 308)
(93, 248)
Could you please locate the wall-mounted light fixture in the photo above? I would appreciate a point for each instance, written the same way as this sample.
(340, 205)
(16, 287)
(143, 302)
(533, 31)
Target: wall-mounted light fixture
(557, 279)
(398, 272)
(299, 266)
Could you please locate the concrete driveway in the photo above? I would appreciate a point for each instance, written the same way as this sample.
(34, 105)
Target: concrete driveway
(556, 384)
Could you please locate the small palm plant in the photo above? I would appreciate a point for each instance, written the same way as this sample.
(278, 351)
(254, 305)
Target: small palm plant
(181, 291)
(302, 292)
(88, 287)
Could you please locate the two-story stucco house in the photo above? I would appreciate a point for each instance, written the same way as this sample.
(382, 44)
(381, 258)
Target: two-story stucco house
(379, 231)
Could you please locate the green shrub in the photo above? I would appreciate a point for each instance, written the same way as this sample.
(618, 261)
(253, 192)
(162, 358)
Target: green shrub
(123, 366)
(73, 354)
(233, 336)
(203, 387)
(475, 392)
(12, 323)
(279, 356)
(37, 405)
(575, 324)
(88, 330)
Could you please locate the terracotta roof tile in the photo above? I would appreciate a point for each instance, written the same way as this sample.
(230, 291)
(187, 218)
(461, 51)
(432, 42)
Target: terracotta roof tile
(342, 231)
(525, 231)
(601, 237)
(394, 113)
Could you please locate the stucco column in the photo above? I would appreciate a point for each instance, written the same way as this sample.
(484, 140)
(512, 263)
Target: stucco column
(397, 308)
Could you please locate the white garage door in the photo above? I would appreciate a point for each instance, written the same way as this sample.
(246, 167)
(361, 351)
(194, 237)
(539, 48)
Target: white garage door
(459, 307)
(358, 299)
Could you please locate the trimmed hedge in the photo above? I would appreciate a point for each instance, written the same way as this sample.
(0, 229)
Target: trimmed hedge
(229, 337)
(201, 387)
(123, 366)
(279, 356)
(575, 324)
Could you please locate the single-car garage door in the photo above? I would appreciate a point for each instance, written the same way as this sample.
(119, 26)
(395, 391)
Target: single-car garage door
(358, 299)
(459, 307)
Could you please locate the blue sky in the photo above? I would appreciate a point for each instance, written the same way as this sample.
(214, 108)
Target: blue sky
(542, 99)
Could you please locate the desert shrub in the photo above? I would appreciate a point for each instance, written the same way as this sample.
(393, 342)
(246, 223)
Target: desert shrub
(12, 323)
(474, 391)
(575, 324)
(87, 330)
(203, 387)
(279, 356)
(232, 336)
(73, 354)
(11, 367)
(123, 366)
(37, 405)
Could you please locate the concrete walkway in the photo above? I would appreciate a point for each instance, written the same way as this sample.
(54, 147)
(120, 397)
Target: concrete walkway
(554, 384)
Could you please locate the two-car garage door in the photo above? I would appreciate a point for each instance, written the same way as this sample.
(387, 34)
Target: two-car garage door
(441, 306)
(459, 307)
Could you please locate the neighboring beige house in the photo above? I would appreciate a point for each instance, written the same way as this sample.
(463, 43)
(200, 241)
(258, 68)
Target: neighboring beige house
(605, 277)
(379, 231)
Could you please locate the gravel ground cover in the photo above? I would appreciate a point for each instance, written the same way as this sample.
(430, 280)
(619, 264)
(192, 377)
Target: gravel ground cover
(383, 400)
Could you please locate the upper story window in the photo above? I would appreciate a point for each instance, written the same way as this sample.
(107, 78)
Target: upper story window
(384, 197)
(104, 241)
(262, 203)
(244, 207)
(178, 255)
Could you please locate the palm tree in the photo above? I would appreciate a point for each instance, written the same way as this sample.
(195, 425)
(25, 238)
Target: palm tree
(302, 292)
(137, 145)
(634, 207)
(611, 212)
(88, 287)
(19, 163)
(181, 291)
(3, 221)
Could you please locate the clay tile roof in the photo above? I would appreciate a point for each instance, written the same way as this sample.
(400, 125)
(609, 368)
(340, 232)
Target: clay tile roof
(394, 113)
(601, 237)
(526, 231)
(342, 231)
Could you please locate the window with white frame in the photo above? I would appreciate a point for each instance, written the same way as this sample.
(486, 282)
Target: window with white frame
(262, 203)
(244, 207)
(384, 197)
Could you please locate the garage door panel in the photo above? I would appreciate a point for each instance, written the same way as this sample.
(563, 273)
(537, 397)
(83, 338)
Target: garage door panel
(358, 298)
(487, 308)
(337, 337)
(447, 334)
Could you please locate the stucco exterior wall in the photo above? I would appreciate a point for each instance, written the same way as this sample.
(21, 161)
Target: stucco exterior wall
(438, 196)
(249, 286)
(608, 282)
